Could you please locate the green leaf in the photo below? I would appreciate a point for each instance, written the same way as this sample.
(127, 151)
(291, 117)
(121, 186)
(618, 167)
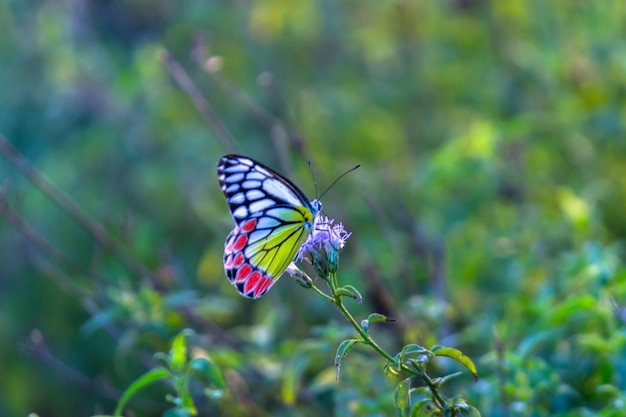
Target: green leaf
(446, 378)
(291, 377)
(349, 291)
(413, 348)
(207, 372)
(373, 318)
(468, 411)
(424, 408)
(100, 320)
(149, 377)
(405, 356)
(377, 318)
(177, 412)
(177, 357)
(342, 351)
(537, 339)
(458, 356)
(186, 398)
(402, 398)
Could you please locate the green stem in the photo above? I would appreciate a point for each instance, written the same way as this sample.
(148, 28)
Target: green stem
(429, 382)
(322, 293)
(366, 338)
(333, 284)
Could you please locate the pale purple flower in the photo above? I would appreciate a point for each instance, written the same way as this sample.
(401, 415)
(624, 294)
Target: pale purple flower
(322, 247)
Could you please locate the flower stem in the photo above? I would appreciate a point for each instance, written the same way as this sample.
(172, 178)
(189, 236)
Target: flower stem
(322, 293)
(366, 337)
(431, 386)
(333, 284)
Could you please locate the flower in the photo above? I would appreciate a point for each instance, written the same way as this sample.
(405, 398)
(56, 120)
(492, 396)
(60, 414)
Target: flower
(322, 247)
(300, 276)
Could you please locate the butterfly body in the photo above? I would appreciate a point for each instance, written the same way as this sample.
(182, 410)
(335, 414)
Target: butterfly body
(273, 218)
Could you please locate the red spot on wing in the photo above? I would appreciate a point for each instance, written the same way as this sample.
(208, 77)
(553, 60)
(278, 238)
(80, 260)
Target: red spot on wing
(252, 282)
(248, 281)
(239, 258)
(243, 273)
(263, 286)
(249, 225)
(240, 242)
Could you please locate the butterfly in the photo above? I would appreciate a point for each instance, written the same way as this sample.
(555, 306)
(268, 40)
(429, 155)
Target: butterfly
(273, 218)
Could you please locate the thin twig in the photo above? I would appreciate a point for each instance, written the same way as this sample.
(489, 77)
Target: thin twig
(60, 279)
(431, 386)
(37, 348)
(322, 293)
(76, 213)
(501, 373)
(282, 135)
(34, 238)
(185, 83)
(257, 111)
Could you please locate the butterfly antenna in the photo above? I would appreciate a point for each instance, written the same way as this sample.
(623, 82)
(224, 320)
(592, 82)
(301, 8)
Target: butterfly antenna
(338, 178)
(313, 176)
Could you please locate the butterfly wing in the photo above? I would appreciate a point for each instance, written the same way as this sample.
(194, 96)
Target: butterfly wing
(273, 220)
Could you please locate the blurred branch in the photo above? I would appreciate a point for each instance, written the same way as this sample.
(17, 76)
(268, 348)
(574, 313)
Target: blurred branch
(61, 280)
(280, 138)
(202, 105)
(41, 244)
(282, 135)
(257, 111)
(37, 348)
(69, 207)
(433, 253)
(500, 371)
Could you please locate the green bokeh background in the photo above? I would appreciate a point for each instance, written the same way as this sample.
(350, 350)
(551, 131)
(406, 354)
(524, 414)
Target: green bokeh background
(488, 213)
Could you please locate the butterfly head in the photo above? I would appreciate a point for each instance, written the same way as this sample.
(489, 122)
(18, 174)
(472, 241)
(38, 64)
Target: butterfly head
(316, 207)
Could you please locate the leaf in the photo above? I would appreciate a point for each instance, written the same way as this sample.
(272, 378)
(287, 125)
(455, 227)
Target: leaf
(349, 291)
(342, 351)
(402, 398)
(177, 356)
(291, 377)
(423, 355)
(535, 340)
(374, 318)
(149, 377)
(446, 378)
(424, 408)
(413, 348)
(391, 369)
(186, 398)
(100, 320)
(469, 411)
(377, 318)
(458, 356)
(177, 412)
(207, 371)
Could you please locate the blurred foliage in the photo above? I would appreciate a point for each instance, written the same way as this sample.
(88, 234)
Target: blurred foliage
(487, 215)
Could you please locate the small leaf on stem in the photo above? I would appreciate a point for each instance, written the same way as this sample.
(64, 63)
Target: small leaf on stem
(458, 356)
(402, 398)
(349, 291)
(378, 318)
(342, 351)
